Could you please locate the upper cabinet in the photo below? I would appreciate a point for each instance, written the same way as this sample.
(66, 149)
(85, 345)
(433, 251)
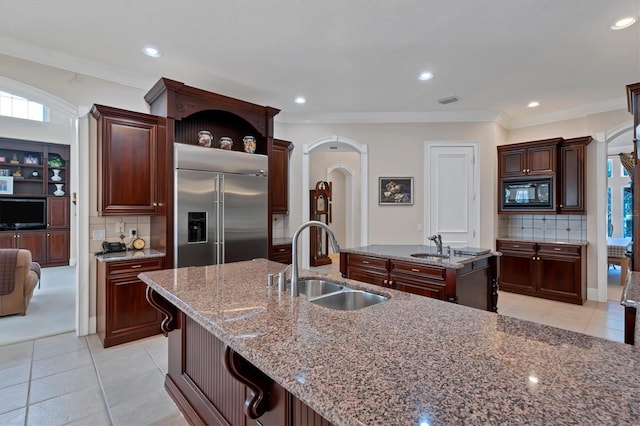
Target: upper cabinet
(571, 194)
(528, 158)
(128, 167)
(556, 168)
(279, 176)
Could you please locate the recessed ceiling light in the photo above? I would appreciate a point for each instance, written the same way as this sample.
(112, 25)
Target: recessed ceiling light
(533, 104)
(300, 100)
(151, 51)
(624, 23)
(425, 76)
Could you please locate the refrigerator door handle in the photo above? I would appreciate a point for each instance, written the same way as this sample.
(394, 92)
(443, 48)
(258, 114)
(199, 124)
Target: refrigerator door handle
(221, 255)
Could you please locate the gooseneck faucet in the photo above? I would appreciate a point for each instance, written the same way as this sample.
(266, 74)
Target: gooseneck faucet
(437, 240)
(294, 250)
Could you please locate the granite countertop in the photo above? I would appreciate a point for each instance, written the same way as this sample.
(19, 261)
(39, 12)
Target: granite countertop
(631, 293)
(404, 251)
(129, 255)
(546, 240)
(410, 360)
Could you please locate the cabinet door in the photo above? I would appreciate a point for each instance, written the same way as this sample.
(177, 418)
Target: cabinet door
(279, 177)
(128, 166)
(511, 161)
(541, 160)
(571, 183)
(58, 212)
(8, 239)
(128, 309)
(559, 276)
(57, 248)
(431, 289)
(35, 242)
(516, 271)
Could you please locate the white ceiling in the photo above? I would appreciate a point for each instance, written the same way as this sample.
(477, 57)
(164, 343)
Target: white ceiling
(354, 60)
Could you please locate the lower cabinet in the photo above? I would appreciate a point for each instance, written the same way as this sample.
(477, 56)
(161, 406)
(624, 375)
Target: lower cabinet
(555, 271)
(47, 247)
(123, 313)
(473, 285)
(280, 253)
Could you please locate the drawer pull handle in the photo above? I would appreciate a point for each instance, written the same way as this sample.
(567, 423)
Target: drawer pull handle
(385, 281)
(516, 246)
(415, 270)
(136, 266)
(557, 249)
(281, 249)
(366, 262)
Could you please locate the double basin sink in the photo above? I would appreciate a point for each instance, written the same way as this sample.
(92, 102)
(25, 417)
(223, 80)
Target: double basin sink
(336, 296)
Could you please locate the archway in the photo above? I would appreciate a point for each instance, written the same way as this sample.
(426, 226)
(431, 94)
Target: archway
(344, 144)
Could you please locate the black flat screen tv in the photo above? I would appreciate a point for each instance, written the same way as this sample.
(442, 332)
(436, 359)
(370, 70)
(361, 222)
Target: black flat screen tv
(23, 213)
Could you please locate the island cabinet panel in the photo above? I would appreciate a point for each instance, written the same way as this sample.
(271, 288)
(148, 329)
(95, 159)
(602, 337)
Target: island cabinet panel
(473, 285)
(207, 392)
(548, 270)
(123, 312)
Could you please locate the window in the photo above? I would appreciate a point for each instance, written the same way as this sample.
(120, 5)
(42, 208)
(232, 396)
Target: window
(627, 210)
(19, 107)
(624, 171)
(609, 168)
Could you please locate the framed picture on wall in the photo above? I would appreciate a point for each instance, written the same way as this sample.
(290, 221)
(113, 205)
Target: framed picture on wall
(6, 184)
(394, 191)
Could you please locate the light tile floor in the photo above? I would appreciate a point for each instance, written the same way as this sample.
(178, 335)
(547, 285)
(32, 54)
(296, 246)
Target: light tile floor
(66, 379)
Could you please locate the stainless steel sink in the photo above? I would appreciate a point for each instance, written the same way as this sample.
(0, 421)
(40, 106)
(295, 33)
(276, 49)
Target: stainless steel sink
(314, 287)
(349, 300)
(430, 255)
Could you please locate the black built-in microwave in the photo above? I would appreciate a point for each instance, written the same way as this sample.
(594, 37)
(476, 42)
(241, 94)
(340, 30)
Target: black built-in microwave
(527, 194)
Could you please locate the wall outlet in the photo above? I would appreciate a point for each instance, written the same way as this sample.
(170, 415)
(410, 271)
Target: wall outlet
(98, 235)
(133, 232)
(119, 227)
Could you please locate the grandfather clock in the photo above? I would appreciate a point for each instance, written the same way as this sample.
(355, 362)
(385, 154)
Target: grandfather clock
(320, 199)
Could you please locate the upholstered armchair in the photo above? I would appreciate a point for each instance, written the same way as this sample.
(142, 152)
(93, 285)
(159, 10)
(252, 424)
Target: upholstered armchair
(18, 278)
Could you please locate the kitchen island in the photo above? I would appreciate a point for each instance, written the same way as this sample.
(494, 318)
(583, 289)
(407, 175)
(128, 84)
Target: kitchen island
(468, 276)
(410, 360)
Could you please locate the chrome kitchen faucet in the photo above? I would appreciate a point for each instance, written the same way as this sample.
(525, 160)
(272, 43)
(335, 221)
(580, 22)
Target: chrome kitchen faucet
(437, 240)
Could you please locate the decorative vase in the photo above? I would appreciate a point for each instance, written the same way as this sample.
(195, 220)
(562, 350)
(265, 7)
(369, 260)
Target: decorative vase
(59, 192)
(249, 143)
(56, 175)
(226, 142)
(204, 138)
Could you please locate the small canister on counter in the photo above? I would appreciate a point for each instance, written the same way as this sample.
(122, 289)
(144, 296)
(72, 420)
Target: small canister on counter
(204, 138)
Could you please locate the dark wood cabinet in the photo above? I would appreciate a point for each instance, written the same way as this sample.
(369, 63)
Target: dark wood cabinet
(555, 271)
(39, 170)
(123, 313)
(128, 161)
(571, 179)
(280, 253)
(528, 158)
(57, 212)
(279, 176)
(472, 285)
(633, 105)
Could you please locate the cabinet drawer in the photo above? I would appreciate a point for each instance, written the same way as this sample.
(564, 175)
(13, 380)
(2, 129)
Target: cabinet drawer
(366, 262)
(516, 245)
(417, 269)
(134, 266)
(559, 249)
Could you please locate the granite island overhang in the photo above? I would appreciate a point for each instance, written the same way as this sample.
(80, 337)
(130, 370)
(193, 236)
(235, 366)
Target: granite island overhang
(409, 360)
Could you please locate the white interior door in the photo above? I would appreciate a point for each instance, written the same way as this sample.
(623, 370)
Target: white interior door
(451, 205)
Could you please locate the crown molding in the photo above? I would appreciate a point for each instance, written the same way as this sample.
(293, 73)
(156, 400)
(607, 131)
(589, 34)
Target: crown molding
(386, 117)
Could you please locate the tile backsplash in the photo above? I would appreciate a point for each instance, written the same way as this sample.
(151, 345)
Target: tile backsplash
(109, 224)
(559, 227)
(280, 226)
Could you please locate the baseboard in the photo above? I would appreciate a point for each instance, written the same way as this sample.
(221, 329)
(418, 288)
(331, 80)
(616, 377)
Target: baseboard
(592, 294)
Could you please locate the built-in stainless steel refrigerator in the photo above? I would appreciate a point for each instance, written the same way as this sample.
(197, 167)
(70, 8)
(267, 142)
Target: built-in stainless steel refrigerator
(220, 206)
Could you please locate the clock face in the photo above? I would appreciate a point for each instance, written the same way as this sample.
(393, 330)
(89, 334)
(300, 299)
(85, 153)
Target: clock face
(138, 244)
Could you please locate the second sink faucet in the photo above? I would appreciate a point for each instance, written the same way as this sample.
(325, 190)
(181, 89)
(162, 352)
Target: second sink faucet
(294, 250)
(437, 240)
